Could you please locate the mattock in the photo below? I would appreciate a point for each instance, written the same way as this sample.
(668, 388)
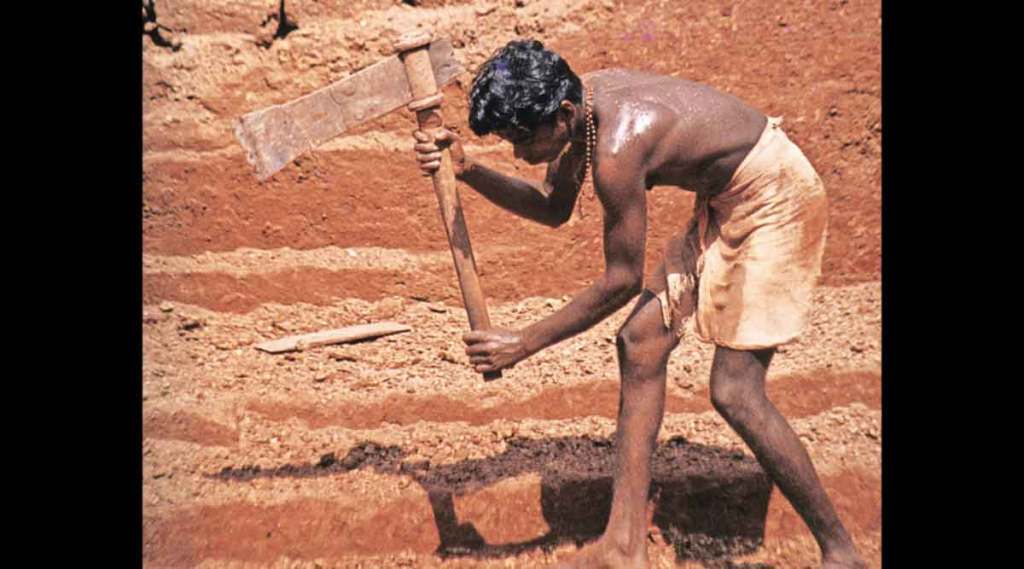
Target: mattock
(426, 103)
(275, 136)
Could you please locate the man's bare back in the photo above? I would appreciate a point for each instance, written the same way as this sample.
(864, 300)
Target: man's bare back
(689, 134)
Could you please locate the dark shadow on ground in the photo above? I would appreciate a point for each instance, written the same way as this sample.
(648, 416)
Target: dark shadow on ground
(710, 503)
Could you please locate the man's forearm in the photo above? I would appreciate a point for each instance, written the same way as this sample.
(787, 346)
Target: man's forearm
(513, 194)
(590, 307)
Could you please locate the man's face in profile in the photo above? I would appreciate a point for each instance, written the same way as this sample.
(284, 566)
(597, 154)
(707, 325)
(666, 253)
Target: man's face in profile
(542, 144)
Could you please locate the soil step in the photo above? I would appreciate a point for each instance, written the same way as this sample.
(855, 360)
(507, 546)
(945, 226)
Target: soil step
(507, 490)
(248, 260)
(708, 503)
(192, 356)
(796, 395)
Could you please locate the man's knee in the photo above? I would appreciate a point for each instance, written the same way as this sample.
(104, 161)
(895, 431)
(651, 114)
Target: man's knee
(730, 397)
(630, 341)
(643, 341)
(737, 381)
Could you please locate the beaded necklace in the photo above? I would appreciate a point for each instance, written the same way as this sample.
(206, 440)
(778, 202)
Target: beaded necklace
(581, 176)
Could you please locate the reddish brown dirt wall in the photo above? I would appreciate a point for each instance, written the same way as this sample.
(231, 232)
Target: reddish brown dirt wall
(818, 65)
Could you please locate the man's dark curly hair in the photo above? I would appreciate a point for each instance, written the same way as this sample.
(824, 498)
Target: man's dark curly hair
(521, 85)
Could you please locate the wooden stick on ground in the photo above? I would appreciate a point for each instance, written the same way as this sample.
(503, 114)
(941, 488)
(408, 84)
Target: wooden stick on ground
(328, 337)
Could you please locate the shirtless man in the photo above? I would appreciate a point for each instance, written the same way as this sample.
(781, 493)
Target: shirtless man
(743, 269)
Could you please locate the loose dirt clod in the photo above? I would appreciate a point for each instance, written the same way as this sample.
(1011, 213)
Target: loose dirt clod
(189, 324)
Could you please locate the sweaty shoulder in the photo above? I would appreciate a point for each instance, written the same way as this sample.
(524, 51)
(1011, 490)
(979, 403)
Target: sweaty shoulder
(631, 122)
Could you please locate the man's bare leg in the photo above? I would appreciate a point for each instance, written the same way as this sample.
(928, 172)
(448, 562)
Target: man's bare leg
(643, 347)
(737, 393)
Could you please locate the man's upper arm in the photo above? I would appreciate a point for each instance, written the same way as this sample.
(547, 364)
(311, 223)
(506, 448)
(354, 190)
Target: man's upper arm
(624, 199)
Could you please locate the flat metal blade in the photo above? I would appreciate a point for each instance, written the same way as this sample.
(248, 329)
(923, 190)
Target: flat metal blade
(274, 136)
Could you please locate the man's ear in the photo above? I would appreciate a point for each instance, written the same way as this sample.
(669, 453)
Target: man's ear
(567, 112)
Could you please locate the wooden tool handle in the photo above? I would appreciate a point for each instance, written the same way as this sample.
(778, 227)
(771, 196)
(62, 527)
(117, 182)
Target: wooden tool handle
(426, 102)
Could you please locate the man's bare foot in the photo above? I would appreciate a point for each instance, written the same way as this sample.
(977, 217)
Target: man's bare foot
(843, 560)
(604, 554)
